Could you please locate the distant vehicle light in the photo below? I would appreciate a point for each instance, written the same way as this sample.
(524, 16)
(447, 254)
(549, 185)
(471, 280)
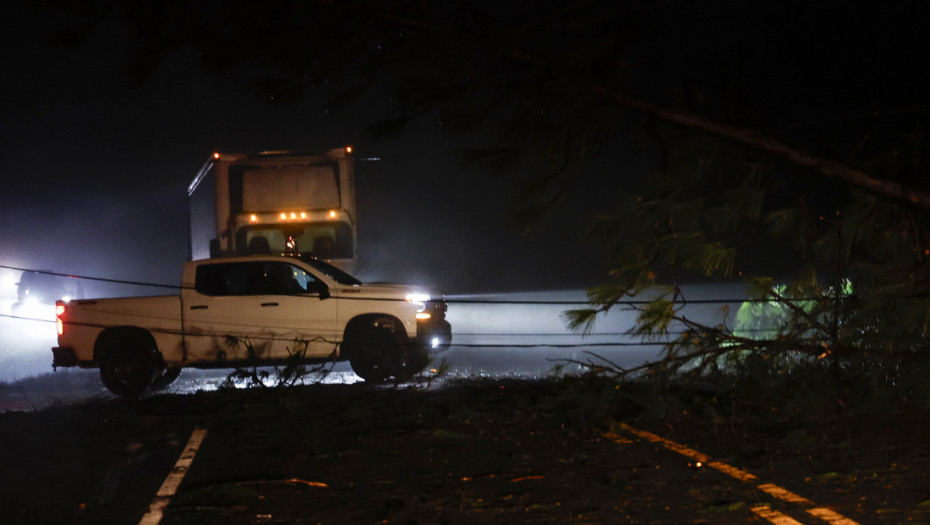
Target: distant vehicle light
(66, 298)
(283, 216)
(435, 342)
(253, 218)
(303, 215)
(348, 149)
(9, 281)
(293, 215)
(216, 156)
(60, 325)
(332, 214)
(422, 316)
(60, 310)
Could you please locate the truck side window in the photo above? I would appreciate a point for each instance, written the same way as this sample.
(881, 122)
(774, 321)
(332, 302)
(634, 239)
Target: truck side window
(208, 281)
(261, 279)
(221, 279)
(302, 279)
(277, 278)
(252, 278)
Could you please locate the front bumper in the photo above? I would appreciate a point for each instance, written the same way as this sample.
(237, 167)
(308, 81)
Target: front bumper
(434, 333)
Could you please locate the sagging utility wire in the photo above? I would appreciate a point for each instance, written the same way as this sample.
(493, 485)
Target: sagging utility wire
(100, 279)
(638, 302)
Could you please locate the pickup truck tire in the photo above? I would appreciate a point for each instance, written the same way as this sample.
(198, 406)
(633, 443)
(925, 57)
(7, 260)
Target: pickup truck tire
(127, 367)
(372, 353)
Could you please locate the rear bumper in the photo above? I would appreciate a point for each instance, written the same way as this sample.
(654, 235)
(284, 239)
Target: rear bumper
(64, 356)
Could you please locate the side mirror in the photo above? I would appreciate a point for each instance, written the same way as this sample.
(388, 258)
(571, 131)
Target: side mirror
(318, 287)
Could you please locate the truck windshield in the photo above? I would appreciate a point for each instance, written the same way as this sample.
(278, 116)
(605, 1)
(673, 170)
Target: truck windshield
(330, 271)
(326, 240)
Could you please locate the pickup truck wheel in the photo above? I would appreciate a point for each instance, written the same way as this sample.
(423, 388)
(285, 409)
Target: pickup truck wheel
(371, 353)
(128, 370)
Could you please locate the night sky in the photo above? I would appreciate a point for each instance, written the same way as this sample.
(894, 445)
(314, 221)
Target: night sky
(94, 170)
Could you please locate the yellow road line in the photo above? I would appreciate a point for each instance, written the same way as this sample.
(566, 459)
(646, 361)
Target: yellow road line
(777, 518)
(681, 449)
(733, 472)
(170, 486)
(830, 516)
(783, 494)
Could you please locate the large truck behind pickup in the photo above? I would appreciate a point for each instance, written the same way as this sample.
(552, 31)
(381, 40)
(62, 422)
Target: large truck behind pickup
(255, 310)
(275, 202)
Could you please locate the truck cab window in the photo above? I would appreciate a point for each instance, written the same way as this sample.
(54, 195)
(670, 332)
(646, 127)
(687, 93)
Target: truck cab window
(221, 279)
(329, 240)
(255, 278)
(278, 278)
(305, 281)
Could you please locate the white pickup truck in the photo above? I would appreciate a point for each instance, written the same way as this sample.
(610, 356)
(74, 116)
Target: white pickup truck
(252, 310)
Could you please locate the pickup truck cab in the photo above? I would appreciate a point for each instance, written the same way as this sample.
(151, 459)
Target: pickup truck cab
(252, 310)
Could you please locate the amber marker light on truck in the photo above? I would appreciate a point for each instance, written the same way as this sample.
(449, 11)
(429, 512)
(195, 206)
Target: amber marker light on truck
(253, 218)
(332, 214)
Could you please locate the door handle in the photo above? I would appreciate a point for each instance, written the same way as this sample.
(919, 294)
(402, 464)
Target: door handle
(199, 307)
(269, 304)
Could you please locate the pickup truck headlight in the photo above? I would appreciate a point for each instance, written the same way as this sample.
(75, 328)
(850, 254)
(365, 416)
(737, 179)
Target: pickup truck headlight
(420, 300)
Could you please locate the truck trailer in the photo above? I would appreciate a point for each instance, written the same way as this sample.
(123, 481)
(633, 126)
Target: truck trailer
(275, 202)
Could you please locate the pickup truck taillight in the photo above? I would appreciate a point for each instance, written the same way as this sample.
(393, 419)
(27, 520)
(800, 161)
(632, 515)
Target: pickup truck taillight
(60, 310)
